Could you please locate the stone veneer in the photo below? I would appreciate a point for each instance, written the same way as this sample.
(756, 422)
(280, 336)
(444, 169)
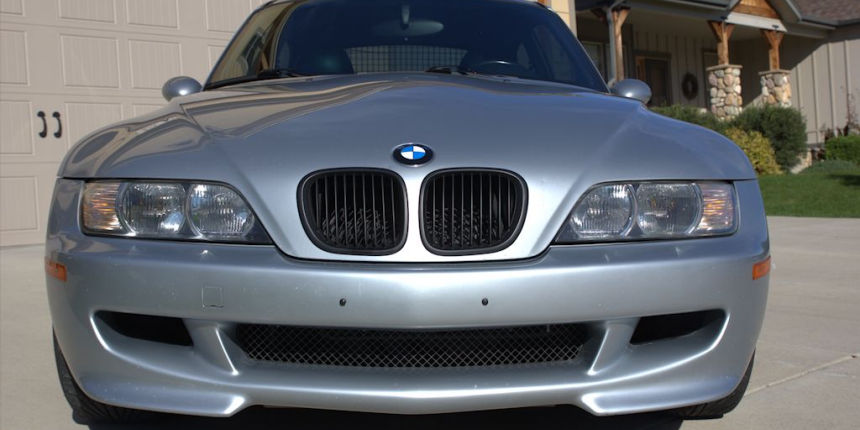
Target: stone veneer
(725, 90)
(776, 88)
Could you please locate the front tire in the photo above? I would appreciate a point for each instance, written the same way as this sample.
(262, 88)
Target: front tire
(86, 410)
(718, 408)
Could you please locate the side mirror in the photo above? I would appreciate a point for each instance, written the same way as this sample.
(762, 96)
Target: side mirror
(632, 89)
(180, 86)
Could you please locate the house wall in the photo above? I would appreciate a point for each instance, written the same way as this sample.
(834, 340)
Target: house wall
(685, 54)
(823, 74)
(563, 8)
(684, 51)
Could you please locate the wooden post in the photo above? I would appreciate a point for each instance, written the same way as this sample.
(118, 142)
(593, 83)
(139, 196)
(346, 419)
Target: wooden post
(722, 31)
(619, 15)
(774, 39)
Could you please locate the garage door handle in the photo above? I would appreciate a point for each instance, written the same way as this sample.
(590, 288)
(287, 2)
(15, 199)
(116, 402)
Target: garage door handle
(59, 132)
(44, 131)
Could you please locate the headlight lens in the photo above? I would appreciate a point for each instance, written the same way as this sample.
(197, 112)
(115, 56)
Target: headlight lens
(217, 211)
(652, 210)
(169, 210)
(604, 211)
(667, 209)
(152, 210)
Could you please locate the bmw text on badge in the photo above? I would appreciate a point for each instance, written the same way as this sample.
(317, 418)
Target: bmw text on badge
(413, 154)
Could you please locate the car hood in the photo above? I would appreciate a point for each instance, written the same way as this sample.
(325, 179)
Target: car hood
(264, 138)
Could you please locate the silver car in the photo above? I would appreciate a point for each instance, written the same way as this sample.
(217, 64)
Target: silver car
(408, 207)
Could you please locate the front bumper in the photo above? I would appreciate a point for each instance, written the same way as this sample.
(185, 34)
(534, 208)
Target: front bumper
(211, 287)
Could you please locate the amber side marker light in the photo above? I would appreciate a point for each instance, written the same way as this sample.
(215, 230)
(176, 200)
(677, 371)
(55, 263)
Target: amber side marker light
(55, 269)
(761, 269)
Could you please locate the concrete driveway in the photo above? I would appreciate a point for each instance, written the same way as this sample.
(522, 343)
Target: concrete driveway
(806, 376)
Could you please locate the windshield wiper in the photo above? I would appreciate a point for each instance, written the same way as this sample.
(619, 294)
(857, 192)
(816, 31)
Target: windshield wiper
(466, 71)
(450, 70)
(278, 73)
(260, 76)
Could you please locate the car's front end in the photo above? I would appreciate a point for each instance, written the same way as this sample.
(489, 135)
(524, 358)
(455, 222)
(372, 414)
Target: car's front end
(406, 243)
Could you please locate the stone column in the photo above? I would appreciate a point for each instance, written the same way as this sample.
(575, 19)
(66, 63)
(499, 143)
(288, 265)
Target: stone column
(776, 88)
(725, 86)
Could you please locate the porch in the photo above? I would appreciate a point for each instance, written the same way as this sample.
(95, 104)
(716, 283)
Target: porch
(723, 55)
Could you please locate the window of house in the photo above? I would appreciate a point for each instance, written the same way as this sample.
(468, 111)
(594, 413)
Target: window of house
(655, 71)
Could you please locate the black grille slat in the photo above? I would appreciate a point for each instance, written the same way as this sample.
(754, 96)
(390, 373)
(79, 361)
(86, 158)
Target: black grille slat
(471, 211)
(382, 348)
(340, 218)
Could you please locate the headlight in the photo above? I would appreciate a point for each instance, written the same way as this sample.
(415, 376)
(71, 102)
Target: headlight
(217, 211)
(651, 210)
(169, 210)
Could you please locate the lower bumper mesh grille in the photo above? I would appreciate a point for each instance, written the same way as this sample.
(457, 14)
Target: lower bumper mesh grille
(412, 348)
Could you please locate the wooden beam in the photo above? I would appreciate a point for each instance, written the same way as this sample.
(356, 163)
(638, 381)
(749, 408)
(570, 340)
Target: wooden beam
(618, 17)
(722, 32)
(757, 8)
(774, 39)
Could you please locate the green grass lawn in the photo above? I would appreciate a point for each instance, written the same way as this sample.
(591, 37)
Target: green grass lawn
(822, 194)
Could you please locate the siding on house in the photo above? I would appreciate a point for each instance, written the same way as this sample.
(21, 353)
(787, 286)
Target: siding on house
(686, 54)
(563, 8)
(824, 81)
(824, 72)
(685, 51)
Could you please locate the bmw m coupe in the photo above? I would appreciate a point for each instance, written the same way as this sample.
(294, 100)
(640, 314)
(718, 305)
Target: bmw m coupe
(407, 207)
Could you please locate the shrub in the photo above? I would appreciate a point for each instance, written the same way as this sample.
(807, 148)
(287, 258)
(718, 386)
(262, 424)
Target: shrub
(830, 166)
(758, 150)
(846, 148)
(784, 127)
(692, 115)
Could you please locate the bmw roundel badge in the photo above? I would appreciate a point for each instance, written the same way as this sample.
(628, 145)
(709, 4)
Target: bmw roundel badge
(413, 154)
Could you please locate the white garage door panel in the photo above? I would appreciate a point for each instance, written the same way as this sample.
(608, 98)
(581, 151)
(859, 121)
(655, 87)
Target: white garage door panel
(154, 13)
(12, 7)
(88, 10)
(153, 63)
(225, 15)
(215, 52)
(21, 125)
(13, 57)
(16, 128)
(25, 196)
(92, 63)
(18, 211)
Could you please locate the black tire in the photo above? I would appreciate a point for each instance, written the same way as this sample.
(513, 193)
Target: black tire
(86, 410)
(718, 408)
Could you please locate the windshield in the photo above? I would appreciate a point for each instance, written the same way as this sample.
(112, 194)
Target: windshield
(330, 37)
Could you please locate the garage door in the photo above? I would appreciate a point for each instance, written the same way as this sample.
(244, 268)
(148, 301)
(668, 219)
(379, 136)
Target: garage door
(70, 66)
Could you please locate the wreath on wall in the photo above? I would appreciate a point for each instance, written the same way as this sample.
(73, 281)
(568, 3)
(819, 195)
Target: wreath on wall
(690, 86)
